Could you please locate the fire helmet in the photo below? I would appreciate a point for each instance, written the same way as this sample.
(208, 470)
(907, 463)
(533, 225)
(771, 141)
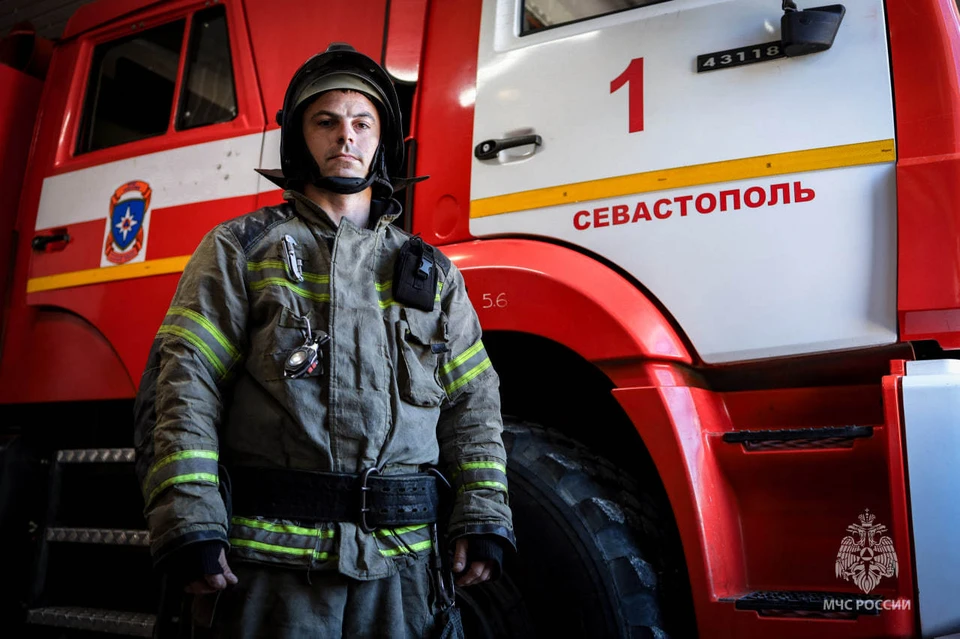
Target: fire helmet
(339, 67)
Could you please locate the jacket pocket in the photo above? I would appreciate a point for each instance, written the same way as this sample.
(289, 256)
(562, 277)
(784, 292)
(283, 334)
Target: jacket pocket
(420, 339)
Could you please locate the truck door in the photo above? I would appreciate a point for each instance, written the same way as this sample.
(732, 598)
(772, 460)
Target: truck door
(161, 130)
(752, 194)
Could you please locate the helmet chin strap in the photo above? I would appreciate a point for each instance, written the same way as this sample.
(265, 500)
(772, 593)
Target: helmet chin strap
(348, 185)
(343, 185)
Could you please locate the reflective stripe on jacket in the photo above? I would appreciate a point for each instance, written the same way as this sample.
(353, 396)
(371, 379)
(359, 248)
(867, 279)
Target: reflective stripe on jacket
(402, 388)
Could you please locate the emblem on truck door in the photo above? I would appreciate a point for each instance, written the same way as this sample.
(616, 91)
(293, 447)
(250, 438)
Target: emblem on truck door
(128, 212)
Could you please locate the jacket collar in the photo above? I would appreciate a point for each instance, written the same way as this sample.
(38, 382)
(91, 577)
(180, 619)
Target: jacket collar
(382, 212)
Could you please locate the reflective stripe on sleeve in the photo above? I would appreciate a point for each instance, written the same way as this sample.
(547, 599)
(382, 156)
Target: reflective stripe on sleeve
(198, 343)
(208, 325)
(200, 332)
(463, 368)
(183, 467)
(480, 475)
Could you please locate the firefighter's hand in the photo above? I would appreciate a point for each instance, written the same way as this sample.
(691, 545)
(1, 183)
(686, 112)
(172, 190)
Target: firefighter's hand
(478, 571)
(213, 583)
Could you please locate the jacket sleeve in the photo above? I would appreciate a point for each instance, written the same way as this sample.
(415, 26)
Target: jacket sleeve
(178, 406)
(470, 423)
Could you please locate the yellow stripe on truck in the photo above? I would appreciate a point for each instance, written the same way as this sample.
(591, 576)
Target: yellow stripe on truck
(833, 157)
(108, 274)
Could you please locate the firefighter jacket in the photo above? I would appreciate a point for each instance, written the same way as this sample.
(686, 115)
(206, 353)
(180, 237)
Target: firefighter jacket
(401, 388)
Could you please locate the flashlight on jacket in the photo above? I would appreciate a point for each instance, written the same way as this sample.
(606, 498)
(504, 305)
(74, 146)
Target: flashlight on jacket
(306, 358)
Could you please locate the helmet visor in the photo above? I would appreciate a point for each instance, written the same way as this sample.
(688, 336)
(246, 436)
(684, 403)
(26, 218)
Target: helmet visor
(343, 81)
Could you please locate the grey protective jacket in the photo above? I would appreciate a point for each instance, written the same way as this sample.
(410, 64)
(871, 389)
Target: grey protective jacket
(403, 389)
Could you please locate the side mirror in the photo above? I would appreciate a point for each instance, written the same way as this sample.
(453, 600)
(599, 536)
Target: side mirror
(810, 30)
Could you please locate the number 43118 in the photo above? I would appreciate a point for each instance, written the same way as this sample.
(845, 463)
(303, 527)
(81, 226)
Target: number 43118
(739, 57)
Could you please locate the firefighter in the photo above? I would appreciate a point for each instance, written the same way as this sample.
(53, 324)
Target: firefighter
(317, 380)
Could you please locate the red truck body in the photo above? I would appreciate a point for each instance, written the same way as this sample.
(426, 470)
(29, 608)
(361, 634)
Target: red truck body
(766, 516)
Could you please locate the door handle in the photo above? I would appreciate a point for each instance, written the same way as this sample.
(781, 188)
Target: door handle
(41, 242)
(488, 149)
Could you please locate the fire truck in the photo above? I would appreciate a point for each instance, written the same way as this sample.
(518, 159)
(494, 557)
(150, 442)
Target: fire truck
(713, 245)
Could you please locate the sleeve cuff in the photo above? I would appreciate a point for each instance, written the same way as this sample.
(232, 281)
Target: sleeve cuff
(486, 548)
(494, 530)
(193, 561)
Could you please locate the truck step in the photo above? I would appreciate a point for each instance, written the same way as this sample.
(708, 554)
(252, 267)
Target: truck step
(96, 456)
(132, 624)
(810, 604)
(798, 438)
(106, 536)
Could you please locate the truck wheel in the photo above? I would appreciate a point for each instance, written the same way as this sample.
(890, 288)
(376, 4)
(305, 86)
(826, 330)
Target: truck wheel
(590, 559)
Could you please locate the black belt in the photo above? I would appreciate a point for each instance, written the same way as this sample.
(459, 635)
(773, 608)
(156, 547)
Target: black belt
(369, 499)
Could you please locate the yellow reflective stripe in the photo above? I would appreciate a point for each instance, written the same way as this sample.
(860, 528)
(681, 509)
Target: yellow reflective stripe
(469, 375)
(387, 532)
(265, 264)
(316, 279)
(207, 324)
(483, 464)
(283, 528)
(259, 545)
(461, 358)
(183, 333)
(277, 264)
(383, 286)
(417, 547)
(183, 454)
(495, 485)
(279, 281)
(480, 465)
(729, 170)
(183, 479)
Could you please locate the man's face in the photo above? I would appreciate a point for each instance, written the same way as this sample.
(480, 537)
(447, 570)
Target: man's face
(342, 132)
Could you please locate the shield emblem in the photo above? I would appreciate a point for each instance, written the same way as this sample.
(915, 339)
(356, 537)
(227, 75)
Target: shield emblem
(126, 220)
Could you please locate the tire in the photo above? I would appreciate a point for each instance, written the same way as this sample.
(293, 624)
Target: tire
(593, 557)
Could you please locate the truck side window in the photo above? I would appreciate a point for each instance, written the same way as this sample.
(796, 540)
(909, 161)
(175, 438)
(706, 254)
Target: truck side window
(208, 95)
(130, 90)
(544, 14)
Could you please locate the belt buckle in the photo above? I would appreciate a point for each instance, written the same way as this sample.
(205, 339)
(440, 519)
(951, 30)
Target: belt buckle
(364, 489)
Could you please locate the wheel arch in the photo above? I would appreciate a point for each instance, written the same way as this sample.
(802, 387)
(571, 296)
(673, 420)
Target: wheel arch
(54, 356)
(548, 324)
(521, 285)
